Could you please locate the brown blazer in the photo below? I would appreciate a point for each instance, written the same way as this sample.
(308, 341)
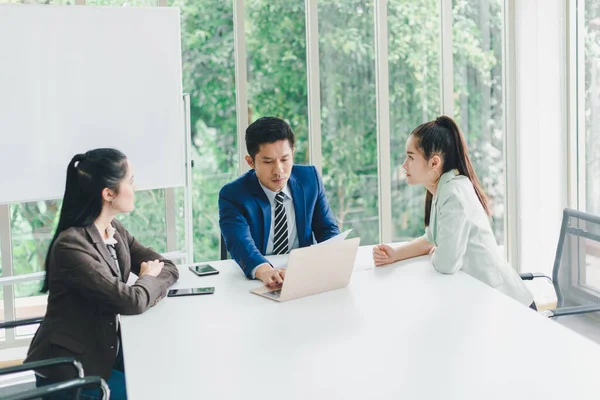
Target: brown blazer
(86, 294)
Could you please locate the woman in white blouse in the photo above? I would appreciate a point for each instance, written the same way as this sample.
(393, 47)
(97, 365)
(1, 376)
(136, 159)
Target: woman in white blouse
(457, 226)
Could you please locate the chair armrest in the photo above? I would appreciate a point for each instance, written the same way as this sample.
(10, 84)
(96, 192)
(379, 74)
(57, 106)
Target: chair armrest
(62, 387)
(528, 276)
(21, 322)
(44, 364)
(559, 312)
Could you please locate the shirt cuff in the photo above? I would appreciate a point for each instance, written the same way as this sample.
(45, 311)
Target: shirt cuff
(253, 272)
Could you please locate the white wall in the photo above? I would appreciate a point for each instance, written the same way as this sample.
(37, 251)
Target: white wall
(541, 128)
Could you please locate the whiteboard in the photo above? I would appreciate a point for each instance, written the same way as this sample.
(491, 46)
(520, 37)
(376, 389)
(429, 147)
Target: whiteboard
(76, 78)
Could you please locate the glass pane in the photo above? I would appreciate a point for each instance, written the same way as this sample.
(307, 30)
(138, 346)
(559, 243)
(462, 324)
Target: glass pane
(477, 30)
(180, 218)
(209, 77)
(414, 73)
(29, 303)
(276, 53)
(33, 225)
(591, 43)
(147, 222)
(349, 141)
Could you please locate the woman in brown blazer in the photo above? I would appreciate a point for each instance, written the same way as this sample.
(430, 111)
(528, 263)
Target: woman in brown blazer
(87, 266)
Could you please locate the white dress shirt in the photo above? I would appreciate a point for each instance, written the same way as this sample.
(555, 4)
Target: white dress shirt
(290, 213)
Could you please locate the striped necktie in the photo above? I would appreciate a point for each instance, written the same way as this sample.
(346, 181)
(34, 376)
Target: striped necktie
(280, 237)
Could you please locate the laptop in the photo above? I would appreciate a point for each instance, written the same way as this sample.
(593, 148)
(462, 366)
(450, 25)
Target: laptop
(314, 269)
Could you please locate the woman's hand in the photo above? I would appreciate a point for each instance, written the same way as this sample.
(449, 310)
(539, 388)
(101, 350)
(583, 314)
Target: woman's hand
(383, 254)
(151, 268)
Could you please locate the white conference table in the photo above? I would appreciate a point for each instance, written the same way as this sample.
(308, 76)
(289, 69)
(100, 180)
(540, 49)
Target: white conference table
(403, 331)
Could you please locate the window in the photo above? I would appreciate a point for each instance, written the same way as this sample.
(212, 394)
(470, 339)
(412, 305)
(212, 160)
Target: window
(147, 223)
(587, 282)
(477, 40)
(32, 227)
(209, 78)
(348, 114)
(276, 61)
(414, 75)
(589, 44)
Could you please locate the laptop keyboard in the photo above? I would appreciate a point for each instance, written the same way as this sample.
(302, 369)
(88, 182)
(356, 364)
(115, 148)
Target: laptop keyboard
(274, 294)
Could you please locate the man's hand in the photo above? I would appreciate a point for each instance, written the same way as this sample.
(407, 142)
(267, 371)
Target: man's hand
(270, 276)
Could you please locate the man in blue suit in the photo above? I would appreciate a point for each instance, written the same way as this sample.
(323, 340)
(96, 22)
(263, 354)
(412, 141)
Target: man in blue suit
(275, 207)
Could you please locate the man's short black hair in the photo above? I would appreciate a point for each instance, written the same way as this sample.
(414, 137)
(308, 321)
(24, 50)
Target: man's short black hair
(267, 130)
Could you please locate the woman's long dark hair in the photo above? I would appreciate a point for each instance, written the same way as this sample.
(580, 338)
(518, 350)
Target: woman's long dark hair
(87, 175)
(443, 137)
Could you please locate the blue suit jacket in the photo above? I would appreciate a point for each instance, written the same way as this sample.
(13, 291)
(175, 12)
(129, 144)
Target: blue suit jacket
(245, 215)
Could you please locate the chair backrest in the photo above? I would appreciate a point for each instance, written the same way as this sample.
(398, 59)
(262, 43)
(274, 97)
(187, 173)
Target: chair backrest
(69, 389)
(21, 322)
(576, 273)
(223, 249)
(15, 380)
(16, 383)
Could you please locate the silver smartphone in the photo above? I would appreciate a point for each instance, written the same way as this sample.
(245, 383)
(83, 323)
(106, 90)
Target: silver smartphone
(190, 291)
(204, 269)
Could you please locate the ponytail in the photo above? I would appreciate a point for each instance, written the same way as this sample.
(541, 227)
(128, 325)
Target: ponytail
(87, 175)
(442, 136)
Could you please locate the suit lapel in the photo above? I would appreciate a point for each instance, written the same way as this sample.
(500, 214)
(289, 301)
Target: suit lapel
(300, 211)
(123, 256)
(265, 207)
(101, 248)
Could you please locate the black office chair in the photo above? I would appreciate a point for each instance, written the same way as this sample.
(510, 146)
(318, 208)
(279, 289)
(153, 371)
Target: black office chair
(67, 386)
(25, 386)
(21, 322)
(223, 249)
(14, 324)
(80, 382)
(577, 253)
(30, 366)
